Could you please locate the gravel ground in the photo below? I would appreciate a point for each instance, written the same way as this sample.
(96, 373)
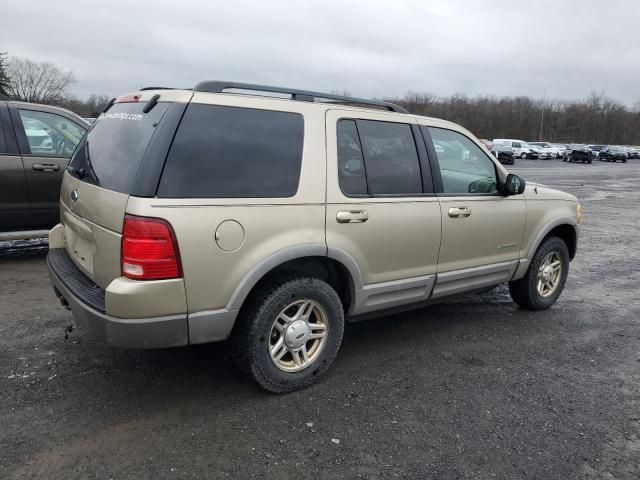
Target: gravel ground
(473, 388)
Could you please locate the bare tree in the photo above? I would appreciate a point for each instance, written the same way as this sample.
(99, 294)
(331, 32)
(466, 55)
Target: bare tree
(37, 82)
(91, 107)
(4, 79)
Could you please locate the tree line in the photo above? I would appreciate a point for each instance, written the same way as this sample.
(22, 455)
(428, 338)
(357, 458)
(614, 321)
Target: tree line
(596, 119)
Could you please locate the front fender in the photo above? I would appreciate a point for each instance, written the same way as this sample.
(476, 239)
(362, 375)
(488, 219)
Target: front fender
(532, 246)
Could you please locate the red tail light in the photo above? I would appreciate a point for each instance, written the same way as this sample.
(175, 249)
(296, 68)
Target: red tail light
(149, 249)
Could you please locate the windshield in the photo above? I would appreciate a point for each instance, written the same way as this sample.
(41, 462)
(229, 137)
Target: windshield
(112, 150)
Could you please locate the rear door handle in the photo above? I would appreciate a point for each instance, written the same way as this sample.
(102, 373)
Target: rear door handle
(45, 167)
(352, 216)
(459, 212)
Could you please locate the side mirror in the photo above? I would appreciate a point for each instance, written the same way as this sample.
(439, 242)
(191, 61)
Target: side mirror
(513, 185)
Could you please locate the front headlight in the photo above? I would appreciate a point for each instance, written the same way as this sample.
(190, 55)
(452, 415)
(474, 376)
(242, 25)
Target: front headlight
(579, 214)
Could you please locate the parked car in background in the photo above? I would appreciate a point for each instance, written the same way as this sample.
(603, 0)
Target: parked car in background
(613, 153)
(544, 152)
(504, 154)
(159, 246)
(486, 143)
(36, 142)
(560, 148)
(521, 149)
(577, 152)
(548, 149)
(633, 152)
(595, 150)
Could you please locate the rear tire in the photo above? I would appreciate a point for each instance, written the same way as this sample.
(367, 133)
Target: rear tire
(284, 315)
(527, 291)
(523, 156)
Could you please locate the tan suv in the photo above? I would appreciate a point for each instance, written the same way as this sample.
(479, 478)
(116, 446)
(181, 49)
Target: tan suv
(230, 212)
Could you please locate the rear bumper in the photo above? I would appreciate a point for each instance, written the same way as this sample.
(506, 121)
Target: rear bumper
(86, 301)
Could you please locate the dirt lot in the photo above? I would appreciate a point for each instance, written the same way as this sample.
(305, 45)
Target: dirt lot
(475, 388)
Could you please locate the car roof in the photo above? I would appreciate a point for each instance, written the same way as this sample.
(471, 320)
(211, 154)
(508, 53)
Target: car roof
(227, 98)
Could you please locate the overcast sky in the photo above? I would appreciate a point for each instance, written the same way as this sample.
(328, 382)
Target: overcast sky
(369, 48)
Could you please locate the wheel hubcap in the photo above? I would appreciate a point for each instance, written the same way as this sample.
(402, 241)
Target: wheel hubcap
(298, 335)
(549, 274)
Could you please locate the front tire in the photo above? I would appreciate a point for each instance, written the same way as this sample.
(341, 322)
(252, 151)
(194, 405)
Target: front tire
(289, 332)
(544, 281)
(523, 156)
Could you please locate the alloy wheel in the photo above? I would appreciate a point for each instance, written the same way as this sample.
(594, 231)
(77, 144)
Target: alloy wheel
(298, 335)
(549, 274)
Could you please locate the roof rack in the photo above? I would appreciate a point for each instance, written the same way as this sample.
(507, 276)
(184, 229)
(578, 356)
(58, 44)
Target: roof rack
(156, 88)
(216, 86)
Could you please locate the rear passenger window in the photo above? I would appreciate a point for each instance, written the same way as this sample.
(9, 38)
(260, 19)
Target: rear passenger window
(234, 152)
(390, 166)
(353, 180)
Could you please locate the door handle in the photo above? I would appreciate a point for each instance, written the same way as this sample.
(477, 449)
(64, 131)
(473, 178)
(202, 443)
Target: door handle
(352, 216)
(459, 212)
(46, 167)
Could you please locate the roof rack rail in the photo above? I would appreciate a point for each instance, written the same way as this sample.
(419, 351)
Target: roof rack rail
(156, 88)
(216, 86)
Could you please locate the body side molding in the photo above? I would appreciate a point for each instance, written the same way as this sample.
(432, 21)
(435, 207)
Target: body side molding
(385, 295)
(468, 279)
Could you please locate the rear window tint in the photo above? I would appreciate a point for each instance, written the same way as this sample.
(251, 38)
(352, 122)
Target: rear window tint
(233, 152)
(111, 152)
(391, 158)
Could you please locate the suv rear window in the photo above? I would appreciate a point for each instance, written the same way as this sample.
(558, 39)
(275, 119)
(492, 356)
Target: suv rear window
(377, 158)
(231, 152)
(111, 152)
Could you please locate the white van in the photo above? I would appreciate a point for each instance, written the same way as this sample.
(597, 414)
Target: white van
(520, 148)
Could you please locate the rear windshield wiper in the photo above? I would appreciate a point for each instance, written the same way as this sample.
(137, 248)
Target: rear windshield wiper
(151, 103)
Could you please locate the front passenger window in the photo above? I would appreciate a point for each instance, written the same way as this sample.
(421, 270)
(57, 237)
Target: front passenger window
(50, 135)
(464, 167)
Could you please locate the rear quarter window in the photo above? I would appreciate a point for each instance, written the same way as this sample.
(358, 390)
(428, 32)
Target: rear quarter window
(232, 152)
